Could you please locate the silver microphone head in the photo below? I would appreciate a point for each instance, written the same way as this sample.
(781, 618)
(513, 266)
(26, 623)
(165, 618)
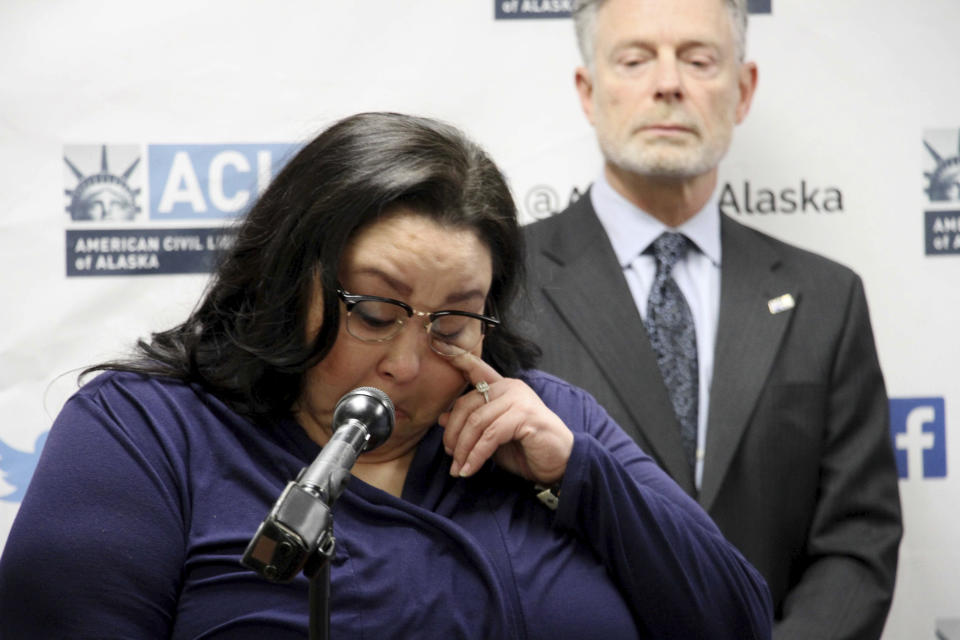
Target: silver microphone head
(371, 407)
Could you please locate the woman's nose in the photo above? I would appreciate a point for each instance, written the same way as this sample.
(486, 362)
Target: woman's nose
(401, 361)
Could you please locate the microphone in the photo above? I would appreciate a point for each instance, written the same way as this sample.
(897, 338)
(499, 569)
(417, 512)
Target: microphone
(362, 421)
(298, 531)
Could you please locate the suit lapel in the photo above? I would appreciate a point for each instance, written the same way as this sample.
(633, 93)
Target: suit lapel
(748, 338)
(591, 295)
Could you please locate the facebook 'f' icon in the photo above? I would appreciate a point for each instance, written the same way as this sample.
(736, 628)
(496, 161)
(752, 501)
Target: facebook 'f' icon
(918, 430)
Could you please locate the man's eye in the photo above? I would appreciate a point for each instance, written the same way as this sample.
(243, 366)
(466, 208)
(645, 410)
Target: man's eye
(631, 57)
(700, 61)
(633, 61)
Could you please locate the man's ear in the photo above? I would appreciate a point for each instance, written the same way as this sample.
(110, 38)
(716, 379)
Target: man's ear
(584, 83)
(747, 82)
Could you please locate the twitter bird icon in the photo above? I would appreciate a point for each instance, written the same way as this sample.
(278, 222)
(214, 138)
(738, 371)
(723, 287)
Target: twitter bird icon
(16, 467)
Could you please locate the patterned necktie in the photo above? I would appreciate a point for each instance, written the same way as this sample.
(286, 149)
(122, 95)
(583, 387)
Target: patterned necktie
(669, 324)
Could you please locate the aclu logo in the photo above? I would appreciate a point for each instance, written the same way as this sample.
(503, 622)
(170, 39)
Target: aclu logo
(919, 434)
(209, 181)
(95, 191)
(513, 9)
(942, 170)
(192, 184)
(941, 219)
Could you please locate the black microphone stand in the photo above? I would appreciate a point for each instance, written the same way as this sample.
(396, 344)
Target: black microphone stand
(297, 535)
(320, 585)
(320, 604)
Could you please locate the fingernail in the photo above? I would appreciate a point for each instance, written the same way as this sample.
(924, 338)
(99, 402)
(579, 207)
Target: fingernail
(465, 471)
(454, 468)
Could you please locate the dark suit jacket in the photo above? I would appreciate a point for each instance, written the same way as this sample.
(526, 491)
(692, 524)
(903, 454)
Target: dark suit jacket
(799, 471)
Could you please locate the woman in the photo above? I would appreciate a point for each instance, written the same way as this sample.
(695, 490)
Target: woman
(382, 255)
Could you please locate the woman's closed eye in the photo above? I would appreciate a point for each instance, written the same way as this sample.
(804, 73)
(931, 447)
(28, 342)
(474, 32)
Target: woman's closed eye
(449, 328)
(375, 320)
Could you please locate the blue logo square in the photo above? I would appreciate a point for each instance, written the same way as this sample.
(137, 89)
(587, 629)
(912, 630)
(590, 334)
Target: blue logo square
(919, 435)
(211, 181)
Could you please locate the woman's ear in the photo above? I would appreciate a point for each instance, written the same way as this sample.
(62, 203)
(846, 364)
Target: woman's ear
(316, 306)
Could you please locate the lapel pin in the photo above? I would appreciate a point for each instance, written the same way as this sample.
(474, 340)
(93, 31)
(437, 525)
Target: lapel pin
(781, 303)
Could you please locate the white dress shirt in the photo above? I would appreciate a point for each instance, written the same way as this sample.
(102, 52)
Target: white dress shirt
(631, 230)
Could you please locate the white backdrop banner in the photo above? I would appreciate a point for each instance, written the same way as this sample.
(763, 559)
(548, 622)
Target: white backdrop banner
(131, 135)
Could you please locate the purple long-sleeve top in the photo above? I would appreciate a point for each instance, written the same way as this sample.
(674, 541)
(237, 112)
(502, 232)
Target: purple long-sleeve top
(148, 491)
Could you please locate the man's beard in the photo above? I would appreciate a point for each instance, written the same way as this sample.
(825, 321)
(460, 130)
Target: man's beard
(664, 158)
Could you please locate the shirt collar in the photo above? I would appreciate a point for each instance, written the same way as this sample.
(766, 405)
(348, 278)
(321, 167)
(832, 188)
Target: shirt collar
(631, 229)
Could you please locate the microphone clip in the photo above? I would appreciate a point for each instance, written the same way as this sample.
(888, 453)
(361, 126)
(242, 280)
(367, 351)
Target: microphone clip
(296, 535)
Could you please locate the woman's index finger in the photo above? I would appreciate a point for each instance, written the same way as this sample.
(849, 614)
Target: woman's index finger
(474, 369)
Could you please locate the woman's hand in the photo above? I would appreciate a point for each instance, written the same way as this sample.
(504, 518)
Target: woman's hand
(515, 427)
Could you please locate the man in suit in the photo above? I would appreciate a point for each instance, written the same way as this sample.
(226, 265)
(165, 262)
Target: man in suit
(783, 409)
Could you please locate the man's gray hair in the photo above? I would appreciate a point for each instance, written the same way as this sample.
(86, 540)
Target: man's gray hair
(585, 17)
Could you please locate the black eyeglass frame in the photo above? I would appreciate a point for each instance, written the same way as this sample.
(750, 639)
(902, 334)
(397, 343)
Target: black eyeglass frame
(350, 300)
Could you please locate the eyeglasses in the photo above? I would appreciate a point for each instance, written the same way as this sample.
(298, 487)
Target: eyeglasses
(376, 319)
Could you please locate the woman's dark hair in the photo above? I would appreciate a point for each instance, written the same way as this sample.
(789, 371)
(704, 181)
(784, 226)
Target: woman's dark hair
(246, 340)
